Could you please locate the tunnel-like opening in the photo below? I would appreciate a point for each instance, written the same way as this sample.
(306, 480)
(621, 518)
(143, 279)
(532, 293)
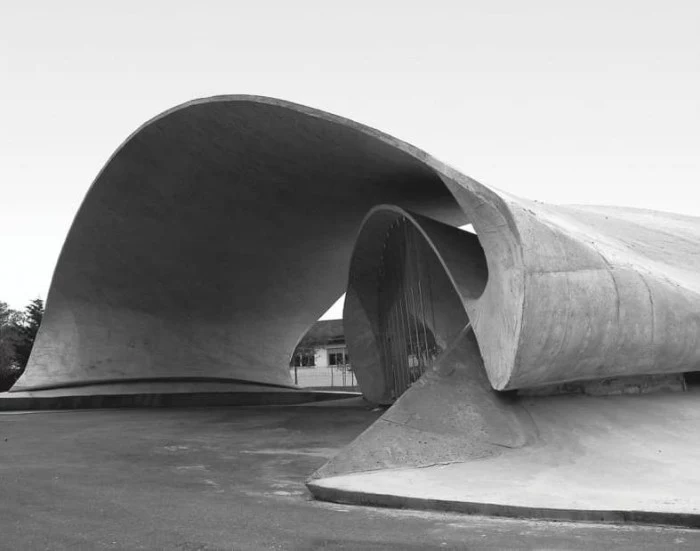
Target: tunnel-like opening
(412, 284)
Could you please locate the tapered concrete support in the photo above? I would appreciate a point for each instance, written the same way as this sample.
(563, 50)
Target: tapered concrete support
(450, 415)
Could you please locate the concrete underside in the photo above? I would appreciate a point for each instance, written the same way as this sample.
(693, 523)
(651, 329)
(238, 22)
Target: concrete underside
(616, 458)
(214, 237)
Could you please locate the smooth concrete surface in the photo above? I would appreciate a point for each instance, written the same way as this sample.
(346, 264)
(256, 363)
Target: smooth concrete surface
(196, 252)
(214, 237)
(578, 293)
(550, 322)
(232, 479)
(614, 458)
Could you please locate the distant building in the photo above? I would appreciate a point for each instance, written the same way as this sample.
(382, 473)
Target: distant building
(322, 346)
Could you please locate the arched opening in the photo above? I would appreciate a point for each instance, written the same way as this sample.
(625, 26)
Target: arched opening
(413, 285)
(321, 361)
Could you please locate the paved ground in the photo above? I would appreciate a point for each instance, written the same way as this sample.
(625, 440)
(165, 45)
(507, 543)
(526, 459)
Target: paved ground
(230, 478)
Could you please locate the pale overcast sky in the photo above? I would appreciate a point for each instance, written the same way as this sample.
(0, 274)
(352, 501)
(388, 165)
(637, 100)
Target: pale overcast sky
(592, 101)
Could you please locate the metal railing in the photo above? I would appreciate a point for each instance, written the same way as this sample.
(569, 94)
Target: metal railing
(338, 377)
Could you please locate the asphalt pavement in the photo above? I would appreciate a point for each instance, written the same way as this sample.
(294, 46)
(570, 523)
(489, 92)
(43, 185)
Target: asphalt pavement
(232, 478)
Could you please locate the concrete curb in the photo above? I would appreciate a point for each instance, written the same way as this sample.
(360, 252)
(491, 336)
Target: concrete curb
(168, 400)
(350, 497)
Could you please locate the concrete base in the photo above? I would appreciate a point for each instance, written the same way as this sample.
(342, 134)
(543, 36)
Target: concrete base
(616, 459)
(163, 394)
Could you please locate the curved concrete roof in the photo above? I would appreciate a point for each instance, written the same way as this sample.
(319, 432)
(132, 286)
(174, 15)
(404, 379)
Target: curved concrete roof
(214, 237)
(222, 229)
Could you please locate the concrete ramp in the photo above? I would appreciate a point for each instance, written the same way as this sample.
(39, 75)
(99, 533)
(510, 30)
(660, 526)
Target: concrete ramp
(452, 443)
(450, 415)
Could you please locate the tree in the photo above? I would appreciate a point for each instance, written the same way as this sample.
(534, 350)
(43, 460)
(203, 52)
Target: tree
(27, 330)
(10, 323)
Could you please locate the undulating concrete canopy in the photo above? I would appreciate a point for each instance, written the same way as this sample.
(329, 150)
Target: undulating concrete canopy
(221, 229)
(586, 309)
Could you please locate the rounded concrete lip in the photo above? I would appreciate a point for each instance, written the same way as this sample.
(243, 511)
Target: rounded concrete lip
(167, 399)
(369, 492)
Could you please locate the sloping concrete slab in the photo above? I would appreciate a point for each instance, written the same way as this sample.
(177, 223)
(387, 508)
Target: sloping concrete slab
(616, 458)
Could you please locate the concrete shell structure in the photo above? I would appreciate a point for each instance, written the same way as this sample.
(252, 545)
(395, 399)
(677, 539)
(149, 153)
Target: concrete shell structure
(212, 240)
(221, 229)
(219, 232)
(557, 294)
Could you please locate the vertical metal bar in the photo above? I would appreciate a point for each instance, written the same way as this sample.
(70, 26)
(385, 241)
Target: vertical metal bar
(407, 316)
(406, 301)
(405, 324)
(431, 302)
(423, 317)
(412, 269)
(394, 345)
(399, 310)
(386, 309)
(386, 314)
(401, 352)
(410, 282)
(396, 333)
(386, 343)
(421, 261)
(405, 297)
(383, 315)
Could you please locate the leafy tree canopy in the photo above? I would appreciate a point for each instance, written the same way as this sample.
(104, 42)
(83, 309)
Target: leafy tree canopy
(17, 334)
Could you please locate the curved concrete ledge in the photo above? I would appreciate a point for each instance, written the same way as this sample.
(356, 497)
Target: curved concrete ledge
(601, 291)
(334, 491)
(185, 396)
(211, 383)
